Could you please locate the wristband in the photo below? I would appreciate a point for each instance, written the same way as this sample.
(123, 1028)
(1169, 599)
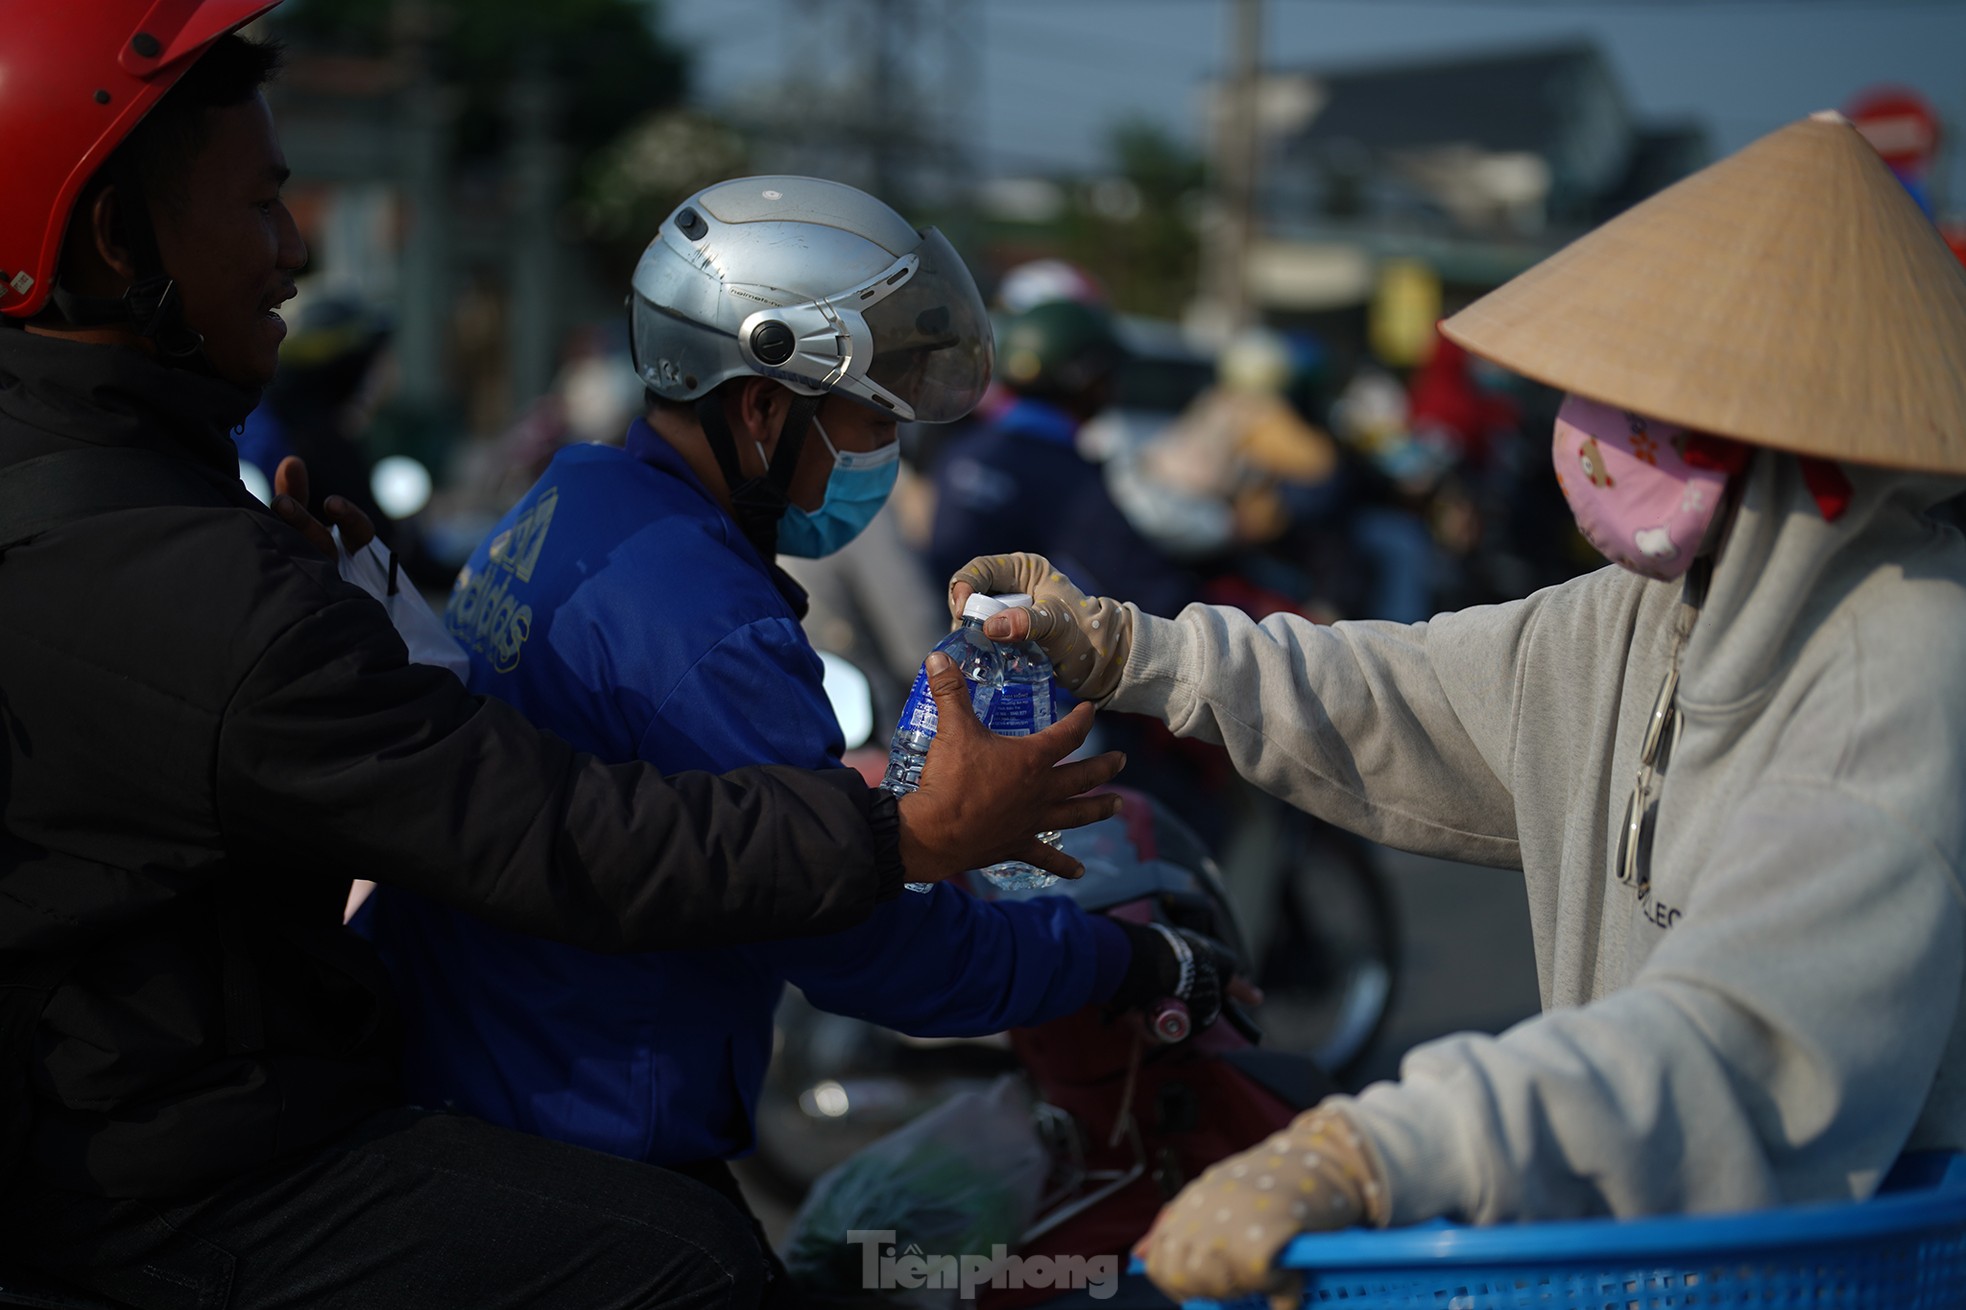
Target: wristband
(1184, 956)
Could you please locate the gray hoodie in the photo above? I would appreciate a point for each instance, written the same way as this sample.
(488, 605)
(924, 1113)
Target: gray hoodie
(1780, 1016)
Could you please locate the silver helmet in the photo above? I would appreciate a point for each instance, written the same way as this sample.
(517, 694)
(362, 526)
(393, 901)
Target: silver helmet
(815, 285)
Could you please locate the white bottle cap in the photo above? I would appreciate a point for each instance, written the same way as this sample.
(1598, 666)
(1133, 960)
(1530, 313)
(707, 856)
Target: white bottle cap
(1015, 600)
(979, 606)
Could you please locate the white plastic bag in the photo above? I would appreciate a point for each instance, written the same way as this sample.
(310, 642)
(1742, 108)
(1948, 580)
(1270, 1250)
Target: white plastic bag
(421, 630)
(906, 1220)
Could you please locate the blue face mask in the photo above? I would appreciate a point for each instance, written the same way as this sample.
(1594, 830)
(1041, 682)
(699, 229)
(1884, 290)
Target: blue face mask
(855, 491)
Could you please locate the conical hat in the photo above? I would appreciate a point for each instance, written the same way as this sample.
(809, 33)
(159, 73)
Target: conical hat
(1791, 295)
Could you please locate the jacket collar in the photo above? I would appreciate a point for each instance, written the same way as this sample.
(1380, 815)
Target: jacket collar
(1782, 569)
(1041, 419)
(79, 393)
(645, 445)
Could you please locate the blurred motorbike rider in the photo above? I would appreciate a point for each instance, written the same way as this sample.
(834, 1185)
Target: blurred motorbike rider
(1730, 766)
(204, 734)
(334, 365)
(1003, 486)
(1056, 364)
(782, 326)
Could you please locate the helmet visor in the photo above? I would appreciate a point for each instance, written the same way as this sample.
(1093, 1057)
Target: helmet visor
(933, 347)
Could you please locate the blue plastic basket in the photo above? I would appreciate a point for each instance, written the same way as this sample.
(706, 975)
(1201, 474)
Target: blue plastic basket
(1904, 1249)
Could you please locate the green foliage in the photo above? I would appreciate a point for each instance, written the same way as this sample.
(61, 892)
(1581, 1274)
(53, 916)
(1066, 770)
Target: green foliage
(609, 56)
(1150, 158)
(1132, 228)
(1152, 259)
(632, 184)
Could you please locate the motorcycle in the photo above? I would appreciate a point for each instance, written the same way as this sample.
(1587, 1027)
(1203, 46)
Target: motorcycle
(1321, 942)
(1129, 1108)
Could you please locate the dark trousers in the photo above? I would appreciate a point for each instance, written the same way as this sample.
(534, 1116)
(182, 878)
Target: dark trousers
(412, 1210)
(781, 1293)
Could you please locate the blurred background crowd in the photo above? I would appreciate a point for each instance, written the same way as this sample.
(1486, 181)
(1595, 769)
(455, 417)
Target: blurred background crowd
(1217, 236)
(1262, 242)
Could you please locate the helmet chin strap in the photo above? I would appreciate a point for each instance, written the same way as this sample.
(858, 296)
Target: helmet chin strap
(151, 307)
(758, 503)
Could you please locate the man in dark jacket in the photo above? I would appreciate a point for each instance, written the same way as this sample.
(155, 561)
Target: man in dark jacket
(1004, 481)
(204, 735)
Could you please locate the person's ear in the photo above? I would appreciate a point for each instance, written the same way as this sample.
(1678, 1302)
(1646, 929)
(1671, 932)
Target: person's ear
(104, 230)
(759, 406)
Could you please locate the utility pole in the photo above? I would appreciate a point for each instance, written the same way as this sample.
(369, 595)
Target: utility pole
(537, 175)
(1237, 157)
(962, 146)
(900, 112)
(424, 160)
(887, 111)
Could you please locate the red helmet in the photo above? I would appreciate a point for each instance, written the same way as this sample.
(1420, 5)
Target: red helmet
(75, 79)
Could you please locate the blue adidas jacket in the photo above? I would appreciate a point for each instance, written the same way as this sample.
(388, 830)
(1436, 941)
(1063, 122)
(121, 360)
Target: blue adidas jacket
(619, 606)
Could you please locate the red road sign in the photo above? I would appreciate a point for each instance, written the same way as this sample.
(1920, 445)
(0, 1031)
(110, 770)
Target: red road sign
(1899, 123)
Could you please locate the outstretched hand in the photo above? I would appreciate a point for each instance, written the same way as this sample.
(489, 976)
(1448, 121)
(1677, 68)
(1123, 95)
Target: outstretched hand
(290, 500)
(984, 798)
(1220, 1238)
(1086, 638)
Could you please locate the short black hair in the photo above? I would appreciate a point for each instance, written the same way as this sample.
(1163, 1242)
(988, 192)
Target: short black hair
(156, 153)
(654, 401)
(150, 162)
(152, 158)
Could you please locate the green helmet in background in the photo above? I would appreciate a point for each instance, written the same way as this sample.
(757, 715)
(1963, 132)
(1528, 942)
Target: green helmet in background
(1058, 350)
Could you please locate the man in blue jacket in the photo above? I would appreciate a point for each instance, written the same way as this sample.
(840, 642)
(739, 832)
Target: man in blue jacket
(631, 603)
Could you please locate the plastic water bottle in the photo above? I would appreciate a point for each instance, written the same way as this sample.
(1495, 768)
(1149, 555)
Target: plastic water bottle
(981, 663)
(1025, 705)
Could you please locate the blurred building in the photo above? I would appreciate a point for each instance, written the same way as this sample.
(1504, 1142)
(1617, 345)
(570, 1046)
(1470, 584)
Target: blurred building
(878, 94)
(469, 261)
(368, 147)
(1472, 168)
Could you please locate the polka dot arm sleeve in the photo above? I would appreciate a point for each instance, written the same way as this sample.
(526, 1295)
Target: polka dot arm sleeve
(1221, 1236)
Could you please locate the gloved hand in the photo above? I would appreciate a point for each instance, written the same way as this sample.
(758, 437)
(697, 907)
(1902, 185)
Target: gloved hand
(1158, 972)
(1221, 1236)
(1087, 639)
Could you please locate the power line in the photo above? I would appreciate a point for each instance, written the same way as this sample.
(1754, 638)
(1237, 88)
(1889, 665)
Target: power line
(1051, 87)
(1574, 6)
(1587, 5)
(1075, 38)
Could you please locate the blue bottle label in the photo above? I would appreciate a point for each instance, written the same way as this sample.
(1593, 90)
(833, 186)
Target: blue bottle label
(918, 715)
(1017, 712)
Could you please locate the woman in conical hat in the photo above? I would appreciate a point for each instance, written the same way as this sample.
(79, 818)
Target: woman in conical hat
(1732, 766)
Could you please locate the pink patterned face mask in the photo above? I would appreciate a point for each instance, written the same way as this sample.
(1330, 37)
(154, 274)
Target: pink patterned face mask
(1645, 492)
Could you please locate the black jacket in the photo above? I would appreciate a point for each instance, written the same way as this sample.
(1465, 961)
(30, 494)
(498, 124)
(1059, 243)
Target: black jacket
(205, 734)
